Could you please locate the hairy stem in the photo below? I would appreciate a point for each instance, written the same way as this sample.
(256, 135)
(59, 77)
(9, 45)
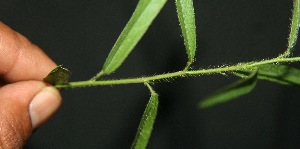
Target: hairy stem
(232, 68)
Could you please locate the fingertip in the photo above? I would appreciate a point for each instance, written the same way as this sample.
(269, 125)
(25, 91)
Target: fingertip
(21, 60)
(24, 106)
(43, 105)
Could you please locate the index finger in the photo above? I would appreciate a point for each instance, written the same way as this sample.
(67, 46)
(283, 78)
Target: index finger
(20, 59)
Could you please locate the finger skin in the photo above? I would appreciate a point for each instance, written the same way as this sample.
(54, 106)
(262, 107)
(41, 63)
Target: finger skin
(20, 59)
(23, 65)
(15, 123)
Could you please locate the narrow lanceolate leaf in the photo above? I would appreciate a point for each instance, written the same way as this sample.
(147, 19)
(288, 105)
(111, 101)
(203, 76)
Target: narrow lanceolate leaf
(146, 125)
(294, 27)
(280, 74)
(141, 19)
(230, 92)
(186, 16)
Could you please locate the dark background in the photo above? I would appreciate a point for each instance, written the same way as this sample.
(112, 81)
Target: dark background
(79, 34)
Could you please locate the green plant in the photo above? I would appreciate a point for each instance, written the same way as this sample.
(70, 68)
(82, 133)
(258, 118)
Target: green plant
(268, 69)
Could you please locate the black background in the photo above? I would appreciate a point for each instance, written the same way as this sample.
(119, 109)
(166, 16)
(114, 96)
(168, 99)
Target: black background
(79, 34)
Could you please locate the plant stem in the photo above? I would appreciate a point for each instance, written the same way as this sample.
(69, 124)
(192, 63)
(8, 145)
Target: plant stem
(239, 66)
(98, 75)
(150, 89)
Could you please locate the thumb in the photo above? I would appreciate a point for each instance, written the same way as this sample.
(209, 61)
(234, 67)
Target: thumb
(23, 107)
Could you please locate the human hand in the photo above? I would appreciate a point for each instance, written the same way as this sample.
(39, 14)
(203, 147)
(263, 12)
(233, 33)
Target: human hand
(25, 100)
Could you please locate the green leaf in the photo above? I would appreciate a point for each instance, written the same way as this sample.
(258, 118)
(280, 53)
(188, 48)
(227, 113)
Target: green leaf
(186, 16)
(138, 24)
(230, 92)
(280, 74)
(58, 75)
(294, 27)
(146, 125)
